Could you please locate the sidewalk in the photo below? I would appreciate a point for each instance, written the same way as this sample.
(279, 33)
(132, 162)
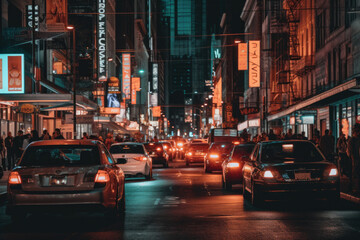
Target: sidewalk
(345, 191)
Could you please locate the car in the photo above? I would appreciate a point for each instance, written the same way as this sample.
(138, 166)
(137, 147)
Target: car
(181, 144)
(60, 175)
(232, 167)
(157, 153)
(199, 140)
(217, 153)
(289, 168)
(174, 148)
(169, 149)
(196, 153)
(133, 159)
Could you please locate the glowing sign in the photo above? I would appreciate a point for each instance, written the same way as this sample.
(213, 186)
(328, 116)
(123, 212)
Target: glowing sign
(126, 75)
(101, 40)
(135, 86)
(12, 73)
(242, 56)
(254, 63)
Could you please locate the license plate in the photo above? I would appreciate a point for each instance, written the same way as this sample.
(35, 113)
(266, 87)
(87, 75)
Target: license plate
(303, 176)
(62, 180)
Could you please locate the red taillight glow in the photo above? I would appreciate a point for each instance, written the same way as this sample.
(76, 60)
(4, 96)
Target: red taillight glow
(14, 178)
(189, 154)
(233, 165)
(213, 156)
(158, 149)
(141, 158)
(165, 147)
(268, 174)
(180, 144)
(333, 172)
(102, 177)
(236, 143)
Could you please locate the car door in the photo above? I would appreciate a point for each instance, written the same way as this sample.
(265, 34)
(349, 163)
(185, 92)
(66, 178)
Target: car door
(249, 166)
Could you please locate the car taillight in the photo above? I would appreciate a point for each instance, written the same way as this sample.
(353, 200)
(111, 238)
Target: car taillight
(14, 178)
(102, 177)
(268, 174)
(141, 158)
(333, 172)
(158, 149)
(214, 156)
(189, 153)
(236, 142)
(165, 147)
(233, 165)
(180, 144)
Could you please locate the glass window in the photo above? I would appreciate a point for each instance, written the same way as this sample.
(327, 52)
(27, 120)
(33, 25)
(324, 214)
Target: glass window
(127, 148)
(60, 155)
(240, 151)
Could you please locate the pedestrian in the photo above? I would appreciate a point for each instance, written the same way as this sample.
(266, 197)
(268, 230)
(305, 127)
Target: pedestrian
(85, 136)
(303, 137)
(101, 139)
(109, 140)
(271, 135)
(9, 150)
(45, 135)
(244, 135)
(344, 165)
(326, 145)
(289, 134)
(353, 151)
(2, 153)
(57, 134)
(34, 136)
(316, 137)
(26, 141)
(17, 145)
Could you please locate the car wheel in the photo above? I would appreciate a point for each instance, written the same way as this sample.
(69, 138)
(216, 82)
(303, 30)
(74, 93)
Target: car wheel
(245, 192)
(121, 203)
(228, 185)
(256, 200)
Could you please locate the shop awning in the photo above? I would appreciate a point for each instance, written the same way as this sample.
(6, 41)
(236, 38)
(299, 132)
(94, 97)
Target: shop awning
(339, 92)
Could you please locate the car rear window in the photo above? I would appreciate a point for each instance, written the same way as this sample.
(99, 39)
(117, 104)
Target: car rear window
(240, 151)
(290, 152)
(221, 147)
(197, 146)
(60, 155)
(127, 148)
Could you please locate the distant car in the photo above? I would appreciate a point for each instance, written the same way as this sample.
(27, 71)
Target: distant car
(157, 153)
(61, 175)
(196, 153)
(217, 153)
(174, 148)
(232, 167)
(279, 169)
(181, 146)
(133, 159)
(199, 140)
(169, 149)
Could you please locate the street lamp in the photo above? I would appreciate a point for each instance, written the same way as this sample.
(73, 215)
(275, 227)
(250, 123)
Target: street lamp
(74, 79)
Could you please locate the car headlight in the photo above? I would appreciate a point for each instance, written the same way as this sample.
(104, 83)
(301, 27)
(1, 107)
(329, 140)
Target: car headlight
(268, 174)
(333, 172)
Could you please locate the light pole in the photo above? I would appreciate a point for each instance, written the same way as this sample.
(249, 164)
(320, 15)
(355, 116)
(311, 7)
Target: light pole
(74, 79)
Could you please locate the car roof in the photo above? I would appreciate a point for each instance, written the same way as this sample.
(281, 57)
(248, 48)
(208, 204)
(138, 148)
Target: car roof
(284, 141)
(127, 143)
(66, 142)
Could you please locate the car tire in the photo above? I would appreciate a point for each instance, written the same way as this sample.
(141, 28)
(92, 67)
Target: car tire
(256, 199)
(207, 170)
(122, 203)
(245, 192)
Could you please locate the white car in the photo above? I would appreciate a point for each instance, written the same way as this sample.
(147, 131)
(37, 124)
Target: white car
(132, 158)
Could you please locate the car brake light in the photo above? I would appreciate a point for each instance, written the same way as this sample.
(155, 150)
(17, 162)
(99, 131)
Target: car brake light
(158, 149)
(141, 158)
(189, 153)
(233, 165)
(14, 178)
(236, 143)
(213, 156)
(268, 174)
(165, 147)
(102, 177)
(333, 172)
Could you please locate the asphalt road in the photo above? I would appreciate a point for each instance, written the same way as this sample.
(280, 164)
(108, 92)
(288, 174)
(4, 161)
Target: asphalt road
(185, 203)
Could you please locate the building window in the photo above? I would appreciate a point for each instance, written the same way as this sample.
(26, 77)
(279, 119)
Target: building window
(350, 5)
(320, 30)
(335, 15)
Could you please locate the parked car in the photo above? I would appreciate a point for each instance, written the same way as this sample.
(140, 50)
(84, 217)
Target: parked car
(196, 153)
(232, 167)
(169, 149)
(133, 159)
(217, 153)
(60, 175)
(279, 169)
(157, 153)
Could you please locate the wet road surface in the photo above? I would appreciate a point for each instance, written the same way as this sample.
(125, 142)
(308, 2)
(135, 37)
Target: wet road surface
(185, 203)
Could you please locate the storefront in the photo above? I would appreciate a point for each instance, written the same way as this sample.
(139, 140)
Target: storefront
(252, 126)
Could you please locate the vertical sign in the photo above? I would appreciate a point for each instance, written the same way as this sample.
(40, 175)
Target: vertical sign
(126, 75)
(1, 73)
(254, 63)
(29, 16)
(15, 78)
(101, 35)
(242, 56)
(155, 73)
(135, 86)
(156, 111)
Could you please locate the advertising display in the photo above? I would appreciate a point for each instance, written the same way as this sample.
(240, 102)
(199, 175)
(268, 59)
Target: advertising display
(126, 75)
(135, 86)
(12, 73)
(155, 77)
(30, 18)
(101, 29)
(254, 63)
(56, 12)
(242, 56)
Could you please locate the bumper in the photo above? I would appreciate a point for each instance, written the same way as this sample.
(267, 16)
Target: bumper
(158, 160)
(214, 165)
(30, 202)
(234, 176)
(278, 191)
(133, 169)
(199, 159)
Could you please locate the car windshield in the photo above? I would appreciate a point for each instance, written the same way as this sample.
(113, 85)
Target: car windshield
(244, 150)
(60, 155)
(290, 152)
(221, 147)
(127, 148)
(203, 147)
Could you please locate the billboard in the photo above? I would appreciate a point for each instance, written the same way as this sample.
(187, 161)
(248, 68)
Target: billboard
(126, 75)
(254, 63)
(135, 86)
(101, 39)
(242, 56)
(12, 71)
(56, 12)
(155, 73)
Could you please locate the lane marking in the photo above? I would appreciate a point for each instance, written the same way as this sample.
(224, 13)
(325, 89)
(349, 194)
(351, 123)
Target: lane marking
(206, 189)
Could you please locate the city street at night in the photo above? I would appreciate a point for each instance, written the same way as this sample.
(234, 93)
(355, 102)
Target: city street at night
(185, 203)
